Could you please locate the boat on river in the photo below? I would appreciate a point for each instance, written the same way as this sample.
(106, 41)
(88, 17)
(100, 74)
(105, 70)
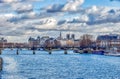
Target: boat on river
(78, 51)
(113, 52)
(100, 52)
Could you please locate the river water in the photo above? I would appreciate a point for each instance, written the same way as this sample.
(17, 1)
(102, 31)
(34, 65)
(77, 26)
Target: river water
(58, 65)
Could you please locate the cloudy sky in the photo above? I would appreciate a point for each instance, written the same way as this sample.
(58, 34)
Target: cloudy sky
(20, 19)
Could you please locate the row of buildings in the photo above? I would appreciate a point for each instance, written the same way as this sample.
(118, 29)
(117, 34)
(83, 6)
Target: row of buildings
(47, 41)
(108, 41)
(102, 41)
(5, 44)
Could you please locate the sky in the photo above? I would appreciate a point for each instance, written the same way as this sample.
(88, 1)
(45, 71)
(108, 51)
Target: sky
(20, 19)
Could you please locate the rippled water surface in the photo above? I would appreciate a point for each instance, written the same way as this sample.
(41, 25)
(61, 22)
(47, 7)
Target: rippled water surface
(58, 66)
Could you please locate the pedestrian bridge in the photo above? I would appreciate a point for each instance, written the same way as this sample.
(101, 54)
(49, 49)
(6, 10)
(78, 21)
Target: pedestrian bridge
(34, 49)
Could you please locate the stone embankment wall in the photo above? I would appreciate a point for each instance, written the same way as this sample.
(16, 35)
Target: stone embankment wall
(1, 63)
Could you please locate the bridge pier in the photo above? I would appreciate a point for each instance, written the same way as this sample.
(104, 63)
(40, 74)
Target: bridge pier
(33, 52)
(65, 51)
(50, 52)
(17, 52)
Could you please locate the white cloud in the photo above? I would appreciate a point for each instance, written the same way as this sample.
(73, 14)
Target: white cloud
(9, 1)
(22, 8)
(46, 23)
(72, 5)
(100, 15)
(16, 1)
(89, 20)
(79, 19)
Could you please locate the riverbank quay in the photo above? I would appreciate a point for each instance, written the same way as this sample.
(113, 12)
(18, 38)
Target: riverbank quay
(1, 63)
(98, 52)
(110, 54)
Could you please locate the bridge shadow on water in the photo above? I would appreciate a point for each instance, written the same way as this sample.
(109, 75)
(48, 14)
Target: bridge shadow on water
(37, 52)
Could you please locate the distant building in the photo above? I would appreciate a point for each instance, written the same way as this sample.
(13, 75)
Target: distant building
(68, 36)
(38, 39)
(2, 40)
(42, 40)
(73, 36)
(70, 43)
(34, 42)
(60, 37)
(111, 40)
(77, 43)
(63, 43)
(50, 42)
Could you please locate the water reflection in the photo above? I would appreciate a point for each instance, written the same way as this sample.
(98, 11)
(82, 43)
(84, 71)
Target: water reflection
(10, 69)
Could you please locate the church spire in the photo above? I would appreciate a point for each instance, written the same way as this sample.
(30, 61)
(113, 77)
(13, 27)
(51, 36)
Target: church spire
(60, 35)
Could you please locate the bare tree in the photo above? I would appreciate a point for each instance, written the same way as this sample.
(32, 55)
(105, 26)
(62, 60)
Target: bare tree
(86, 40)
